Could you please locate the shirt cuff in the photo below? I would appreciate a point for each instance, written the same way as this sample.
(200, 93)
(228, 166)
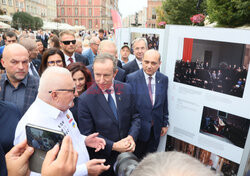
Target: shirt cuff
(81, 170)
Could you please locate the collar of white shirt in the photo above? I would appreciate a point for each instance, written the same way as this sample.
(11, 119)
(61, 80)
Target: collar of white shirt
(67, 57)
(139, 63)
(50, 110)
(147, 76)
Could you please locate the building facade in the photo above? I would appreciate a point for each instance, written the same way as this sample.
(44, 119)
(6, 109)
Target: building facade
(45, 9)
(93, 14)
(151, 12)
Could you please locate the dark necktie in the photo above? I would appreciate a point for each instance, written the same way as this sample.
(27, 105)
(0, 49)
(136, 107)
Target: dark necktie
(71, 60)
(34, 72)
(111, 103)
(150, 90)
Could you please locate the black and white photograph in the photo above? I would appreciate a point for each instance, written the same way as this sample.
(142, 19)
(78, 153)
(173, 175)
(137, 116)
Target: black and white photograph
(224, 126)
(152, 39)
(213, 65)
(220, 165)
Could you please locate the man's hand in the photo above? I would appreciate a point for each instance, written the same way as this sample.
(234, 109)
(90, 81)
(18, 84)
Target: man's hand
(164, 130)
(131, 142)
(96, 167)
(17, 159)
(124, 145)
(95, 142)
(64, 164)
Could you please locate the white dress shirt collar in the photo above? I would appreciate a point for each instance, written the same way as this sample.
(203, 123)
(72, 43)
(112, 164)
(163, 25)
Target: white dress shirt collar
(67, 58)
(139, 63)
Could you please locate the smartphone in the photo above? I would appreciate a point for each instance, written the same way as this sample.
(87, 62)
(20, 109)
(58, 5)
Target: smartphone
(42, 139)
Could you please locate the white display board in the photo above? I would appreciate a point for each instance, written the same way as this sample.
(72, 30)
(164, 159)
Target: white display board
(191, 104)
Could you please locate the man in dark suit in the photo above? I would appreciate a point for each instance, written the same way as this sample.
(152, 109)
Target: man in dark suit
(68, 45)
(150, 89)
(16, 85)
(140, 46)
(43, 37)
(107, 46)
(108, 107)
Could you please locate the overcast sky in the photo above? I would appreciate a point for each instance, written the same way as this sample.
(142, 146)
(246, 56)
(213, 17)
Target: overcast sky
(129, 7)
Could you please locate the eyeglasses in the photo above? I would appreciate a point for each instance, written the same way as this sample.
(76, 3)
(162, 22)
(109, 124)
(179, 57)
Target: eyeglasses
(58, 62)
(68, 42)
(68, 90)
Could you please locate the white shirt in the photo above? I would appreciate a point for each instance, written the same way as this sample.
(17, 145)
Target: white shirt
(67, 59)
(152, 84)
(45, 115)
(112, 93)
(30, 70)
(139, 63)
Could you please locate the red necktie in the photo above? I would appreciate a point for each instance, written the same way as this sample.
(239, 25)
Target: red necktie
(150, 90)
(71, 60)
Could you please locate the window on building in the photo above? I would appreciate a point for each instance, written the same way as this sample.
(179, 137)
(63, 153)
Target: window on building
(76, 11)
(90, 24)
(90, 2)
(153, 25)
(76, 22)
(153, 13)
(62, 2)
(62, 11)
(76, 2)
(21, 4)
(3, 1)
(63, 20)
(90, 11)
(10, 2)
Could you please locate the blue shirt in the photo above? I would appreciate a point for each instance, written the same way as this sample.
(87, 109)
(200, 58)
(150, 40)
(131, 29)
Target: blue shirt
(15, 95)
(90, 55)
(1, 49)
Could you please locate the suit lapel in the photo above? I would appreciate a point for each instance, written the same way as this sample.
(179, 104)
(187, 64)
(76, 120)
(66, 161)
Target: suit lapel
(104, 104)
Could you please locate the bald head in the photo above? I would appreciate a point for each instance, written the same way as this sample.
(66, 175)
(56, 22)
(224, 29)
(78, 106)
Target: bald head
(153, 53)
(56, 88)
(151, 62)
(13, 49)
(16, 63)
(107, 46)
(57, 81)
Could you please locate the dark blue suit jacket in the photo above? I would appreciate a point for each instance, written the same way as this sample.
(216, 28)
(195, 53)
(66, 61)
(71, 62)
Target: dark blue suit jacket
(120, 76)
(95, 115)
(30, 92)
(131, 67)
(81, 58)
(159, 112)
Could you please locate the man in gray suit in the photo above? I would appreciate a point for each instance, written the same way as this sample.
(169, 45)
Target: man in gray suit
(17, 85)
(68, 45)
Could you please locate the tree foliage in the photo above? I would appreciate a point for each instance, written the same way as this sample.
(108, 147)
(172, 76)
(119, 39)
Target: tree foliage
(38, 22)
(26, 21)
(229, 13)
(180, 11)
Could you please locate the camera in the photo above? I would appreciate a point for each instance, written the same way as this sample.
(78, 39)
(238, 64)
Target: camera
(125, 164)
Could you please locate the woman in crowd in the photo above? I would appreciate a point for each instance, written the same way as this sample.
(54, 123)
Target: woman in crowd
(83, 80)
(40, 48)
(52, 57)
(54, 42)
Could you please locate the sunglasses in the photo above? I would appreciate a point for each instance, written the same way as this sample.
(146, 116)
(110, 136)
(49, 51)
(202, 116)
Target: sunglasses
(68, 42)
(68, 90)
(58, 62)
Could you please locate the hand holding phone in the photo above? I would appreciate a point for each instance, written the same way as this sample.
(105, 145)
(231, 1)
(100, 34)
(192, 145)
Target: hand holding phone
(43, 140)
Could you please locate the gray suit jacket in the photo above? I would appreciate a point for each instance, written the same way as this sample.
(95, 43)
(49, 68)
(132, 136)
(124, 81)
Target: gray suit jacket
(30, 92)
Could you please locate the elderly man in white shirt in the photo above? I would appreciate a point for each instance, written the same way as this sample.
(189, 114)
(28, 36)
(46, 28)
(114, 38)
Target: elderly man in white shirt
(51, 110)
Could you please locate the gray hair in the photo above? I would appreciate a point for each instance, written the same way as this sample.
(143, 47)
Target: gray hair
(105, 56)
(171, 164)
(93, 40)
(28, 43)
(140, 39)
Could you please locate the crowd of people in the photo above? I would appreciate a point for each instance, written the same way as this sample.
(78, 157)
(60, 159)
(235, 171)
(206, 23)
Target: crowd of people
(224, 78)
(104, 107)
